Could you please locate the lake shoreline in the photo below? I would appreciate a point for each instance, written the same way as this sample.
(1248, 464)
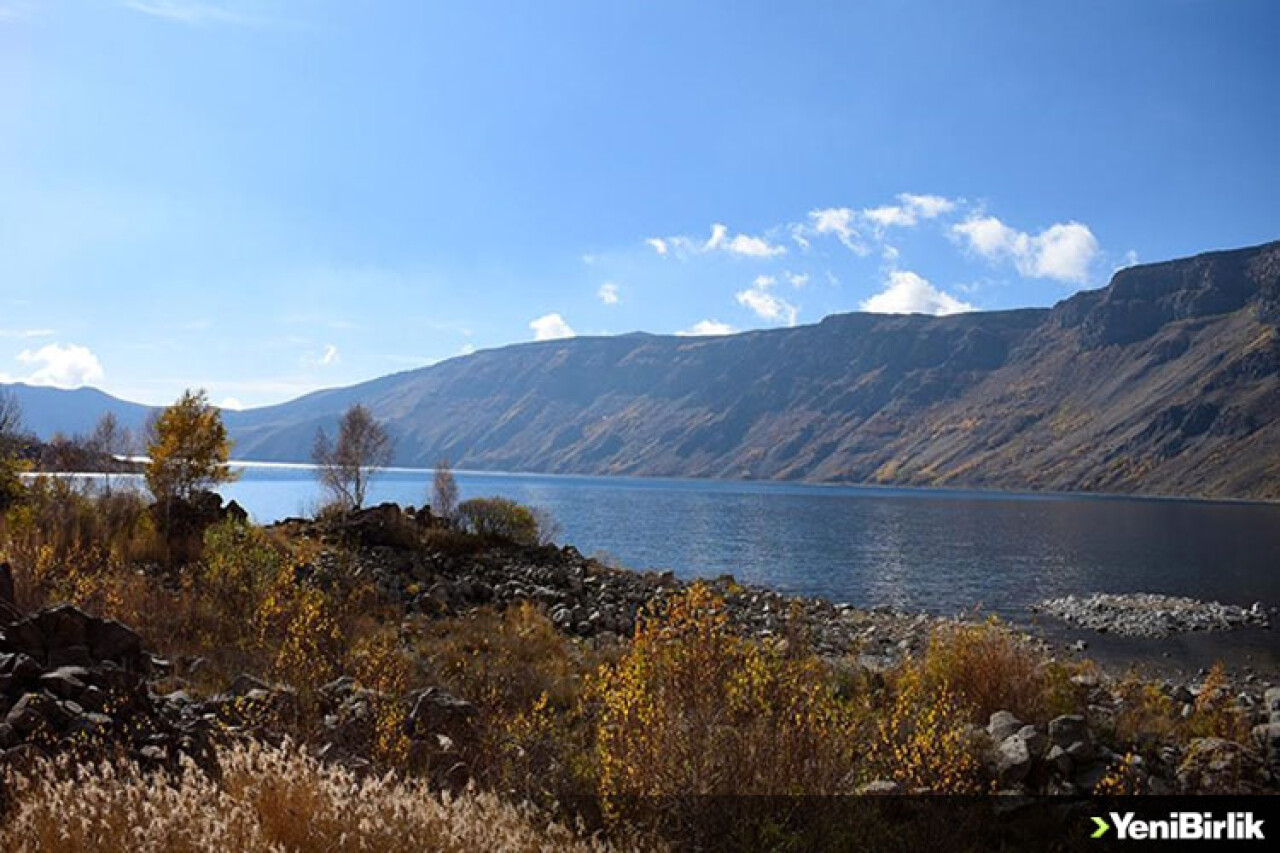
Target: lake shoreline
(1021, 493)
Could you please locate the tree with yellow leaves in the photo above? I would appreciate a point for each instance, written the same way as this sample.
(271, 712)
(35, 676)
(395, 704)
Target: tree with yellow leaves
(188, 447)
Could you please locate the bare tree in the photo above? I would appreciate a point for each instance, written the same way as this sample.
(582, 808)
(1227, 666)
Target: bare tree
(346, 466)
(12, 439)
(110, 441)
(11, 426)
(444, 492)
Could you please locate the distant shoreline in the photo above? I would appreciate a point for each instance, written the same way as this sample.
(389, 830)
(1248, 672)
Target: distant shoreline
(820, 485)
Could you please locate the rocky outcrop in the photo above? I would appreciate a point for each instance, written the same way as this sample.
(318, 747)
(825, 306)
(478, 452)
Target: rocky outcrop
(1067, 758)
(70, 681)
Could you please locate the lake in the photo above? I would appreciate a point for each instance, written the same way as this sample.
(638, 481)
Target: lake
(919, 549)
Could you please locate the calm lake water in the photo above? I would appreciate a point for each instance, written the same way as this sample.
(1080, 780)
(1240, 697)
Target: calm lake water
(939, 551)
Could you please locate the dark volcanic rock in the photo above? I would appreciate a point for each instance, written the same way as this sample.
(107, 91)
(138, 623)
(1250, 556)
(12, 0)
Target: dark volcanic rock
(71, 681)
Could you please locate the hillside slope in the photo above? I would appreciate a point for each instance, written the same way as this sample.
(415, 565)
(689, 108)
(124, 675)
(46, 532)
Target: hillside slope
(1166, 381)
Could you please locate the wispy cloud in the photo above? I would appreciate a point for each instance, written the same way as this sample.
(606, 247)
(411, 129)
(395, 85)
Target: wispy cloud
(196, 13)
(761, 301)
(720, 240)
(608, 293)
(27, 333)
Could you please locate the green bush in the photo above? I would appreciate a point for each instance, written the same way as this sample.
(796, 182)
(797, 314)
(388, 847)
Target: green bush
(502, 518)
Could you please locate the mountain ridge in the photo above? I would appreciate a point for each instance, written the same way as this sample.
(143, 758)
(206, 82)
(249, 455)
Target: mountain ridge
(1163, 382)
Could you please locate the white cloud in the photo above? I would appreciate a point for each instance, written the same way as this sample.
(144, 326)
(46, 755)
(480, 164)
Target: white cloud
(707, 327)
(26, 333)
(908, 293)
(1063, 251)
(550, 327)
(608, 293)
(659, 245)
(741, 244)
(840, 222)
(766, 305)
(796, 279)
(1130, 259)
(62, 366)
(190, 12)
(330, 355)
(467, 349)
(231, 403)
(927, 206)
(909, 210)
(889, 215)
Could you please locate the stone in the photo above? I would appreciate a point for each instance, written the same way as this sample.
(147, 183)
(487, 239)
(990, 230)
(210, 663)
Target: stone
(65, 681)
(1035, 740)
(1217, 766)
(879, 787)
(31, 712)
(1081, 751)
(8, 601)
(90, 724)
(1271, 703)
(1059, 760)
(1001, 725)
(1088, 777)
(1012, 760)
(435, 711)
(110, 640)
(244, 684)
(78, 656)
(1068, 729)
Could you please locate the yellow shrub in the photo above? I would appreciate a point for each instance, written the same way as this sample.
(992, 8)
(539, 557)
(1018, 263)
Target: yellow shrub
(692, 708)
(1123, 778)
(1144, 716)
(1216, 713)
(990, 667)
(922, 739)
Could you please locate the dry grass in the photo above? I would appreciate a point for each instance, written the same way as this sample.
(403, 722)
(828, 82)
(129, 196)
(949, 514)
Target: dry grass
(527, 681)
(266, 800)
(990, 667)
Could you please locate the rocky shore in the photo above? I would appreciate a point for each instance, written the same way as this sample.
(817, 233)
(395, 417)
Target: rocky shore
(1149, 615)
(68, 679)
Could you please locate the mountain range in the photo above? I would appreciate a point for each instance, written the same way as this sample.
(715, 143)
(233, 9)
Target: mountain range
(1166, 381)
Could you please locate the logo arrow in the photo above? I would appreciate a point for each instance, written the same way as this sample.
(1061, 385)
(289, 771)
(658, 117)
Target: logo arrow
(1103, 826)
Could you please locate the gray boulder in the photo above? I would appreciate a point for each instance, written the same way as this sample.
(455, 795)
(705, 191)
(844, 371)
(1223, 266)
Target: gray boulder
(1001, 725)
(1012, 760)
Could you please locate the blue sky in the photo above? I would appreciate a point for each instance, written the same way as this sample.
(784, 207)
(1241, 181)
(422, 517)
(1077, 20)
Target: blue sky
(263, 198)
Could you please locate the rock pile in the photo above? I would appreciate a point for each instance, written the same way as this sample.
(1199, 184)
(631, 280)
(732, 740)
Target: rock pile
(1063, 760)
(1068, 759)
(69, 681)
(1148, 615)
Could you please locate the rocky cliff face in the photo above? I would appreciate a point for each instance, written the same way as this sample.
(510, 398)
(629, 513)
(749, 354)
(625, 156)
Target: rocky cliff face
(1166, 381)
